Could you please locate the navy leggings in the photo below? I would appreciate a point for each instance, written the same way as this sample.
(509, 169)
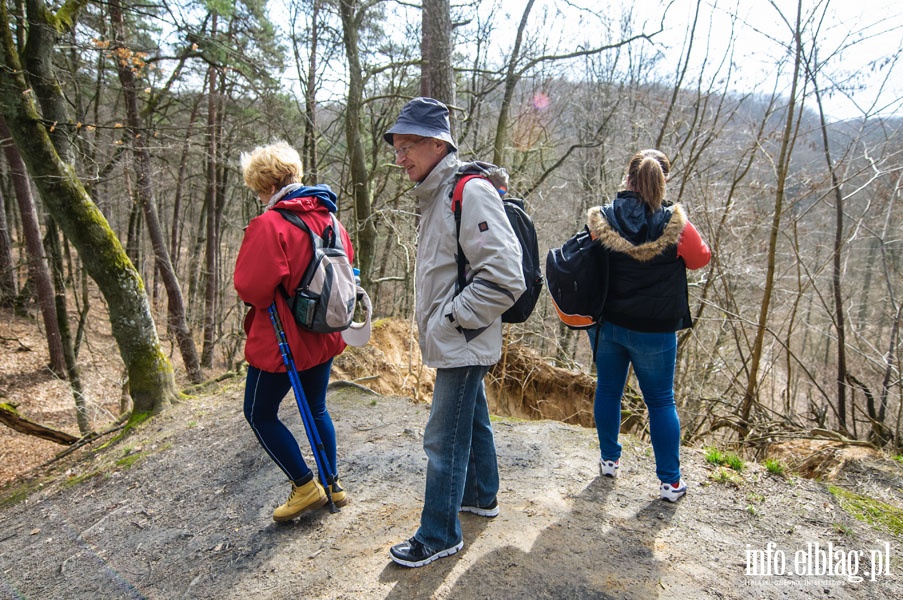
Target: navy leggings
(264, 393)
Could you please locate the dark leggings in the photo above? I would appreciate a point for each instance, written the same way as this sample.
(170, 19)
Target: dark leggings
(264, 393)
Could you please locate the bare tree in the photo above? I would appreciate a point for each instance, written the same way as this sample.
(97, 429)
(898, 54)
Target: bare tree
(38, 270)
(128, 62)
(782, 163)
(150, 374)
(352, 14)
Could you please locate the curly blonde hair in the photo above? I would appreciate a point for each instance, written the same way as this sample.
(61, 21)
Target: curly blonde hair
(272, 166)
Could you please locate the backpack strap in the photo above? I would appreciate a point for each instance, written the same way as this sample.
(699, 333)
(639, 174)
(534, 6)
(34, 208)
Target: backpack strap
(329, 239)
(456, 201)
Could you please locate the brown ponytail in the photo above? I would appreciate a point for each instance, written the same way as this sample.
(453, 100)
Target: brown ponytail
(647, 173)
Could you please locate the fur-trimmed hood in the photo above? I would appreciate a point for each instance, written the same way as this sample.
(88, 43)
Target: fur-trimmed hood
(625, 226)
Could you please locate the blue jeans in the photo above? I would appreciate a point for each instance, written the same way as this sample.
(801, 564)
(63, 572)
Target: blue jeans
(264, 392)
(462, 464)
(653, 356)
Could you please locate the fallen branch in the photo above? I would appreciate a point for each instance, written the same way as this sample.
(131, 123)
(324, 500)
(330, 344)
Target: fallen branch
(12, 419)
(91, 437)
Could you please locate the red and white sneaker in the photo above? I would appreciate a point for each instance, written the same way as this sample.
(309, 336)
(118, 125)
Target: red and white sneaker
(672, 492)
(609, 468)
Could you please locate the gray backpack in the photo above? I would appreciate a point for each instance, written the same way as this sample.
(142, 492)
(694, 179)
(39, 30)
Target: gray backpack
(324, 300)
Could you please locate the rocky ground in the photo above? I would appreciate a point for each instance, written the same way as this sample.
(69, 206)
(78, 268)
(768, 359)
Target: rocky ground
(181, 508)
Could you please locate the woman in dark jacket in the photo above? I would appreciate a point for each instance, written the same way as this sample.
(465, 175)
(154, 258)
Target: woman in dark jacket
(275, 253)
(651, 245)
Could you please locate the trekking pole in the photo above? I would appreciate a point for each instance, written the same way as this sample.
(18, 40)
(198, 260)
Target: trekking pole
(327, 477)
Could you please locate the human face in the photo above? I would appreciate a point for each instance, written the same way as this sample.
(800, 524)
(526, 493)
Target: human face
(417, 155)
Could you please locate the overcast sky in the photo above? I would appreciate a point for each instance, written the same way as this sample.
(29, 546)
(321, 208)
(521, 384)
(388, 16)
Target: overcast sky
(872, 31)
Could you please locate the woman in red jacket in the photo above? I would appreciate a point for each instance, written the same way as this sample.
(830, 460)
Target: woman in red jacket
(274, 255)
(650, 244)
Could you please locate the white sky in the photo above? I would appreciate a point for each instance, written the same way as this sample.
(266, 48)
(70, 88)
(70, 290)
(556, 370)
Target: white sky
(872, 30)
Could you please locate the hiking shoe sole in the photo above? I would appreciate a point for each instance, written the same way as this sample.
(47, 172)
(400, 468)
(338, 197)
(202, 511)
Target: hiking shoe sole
(306, 509)
(401, 555)
(490, 512)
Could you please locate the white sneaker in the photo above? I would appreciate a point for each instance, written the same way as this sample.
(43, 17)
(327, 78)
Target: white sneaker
(609, 468)
(490, 511)
(672, 492)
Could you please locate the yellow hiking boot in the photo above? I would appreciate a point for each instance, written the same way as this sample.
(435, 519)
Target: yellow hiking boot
(339, 498)
(303, 498)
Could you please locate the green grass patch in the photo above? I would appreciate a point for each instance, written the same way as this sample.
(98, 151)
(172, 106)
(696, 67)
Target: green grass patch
(871, 511)
(77, 479)
(775, 467)
(724, 459)
(129, 460)
(898, 458)
(727, 476)
(17, 494)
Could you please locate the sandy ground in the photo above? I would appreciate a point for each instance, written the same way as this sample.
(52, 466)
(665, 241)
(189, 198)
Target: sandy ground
(182, 509)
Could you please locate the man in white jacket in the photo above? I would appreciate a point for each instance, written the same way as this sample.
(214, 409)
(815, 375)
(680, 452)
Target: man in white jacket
(460, 330)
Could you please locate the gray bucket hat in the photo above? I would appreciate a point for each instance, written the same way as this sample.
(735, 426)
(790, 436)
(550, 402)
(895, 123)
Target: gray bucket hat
(425, 117)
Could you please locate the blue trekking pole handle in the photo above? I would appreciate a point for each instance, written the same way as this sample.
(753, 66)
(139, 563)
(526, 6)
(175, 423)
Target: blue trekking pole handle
(327, 478)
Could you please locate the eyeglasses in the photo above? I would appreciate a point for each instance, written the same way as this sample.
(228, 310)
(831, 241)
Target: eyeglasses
(403, 151)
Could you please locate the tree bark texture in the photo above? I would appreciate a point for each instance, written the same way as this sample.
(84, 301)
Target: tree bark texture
(16, 422)
(8, 284)
(150, 373)
(437, 76)
(37, 260)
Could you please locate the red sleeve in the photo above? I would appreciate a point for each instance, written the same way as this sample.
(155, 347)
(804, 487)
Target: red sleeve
(692, 249)
(261, 264)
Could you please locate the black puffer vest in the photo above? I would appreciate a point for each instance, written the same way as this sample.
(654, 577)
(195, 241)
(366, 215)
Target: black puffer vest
(647, 289)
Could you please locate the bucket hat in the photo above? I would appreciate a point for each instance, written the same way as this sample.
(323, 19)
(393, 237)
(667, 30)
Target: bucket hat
(424, 117)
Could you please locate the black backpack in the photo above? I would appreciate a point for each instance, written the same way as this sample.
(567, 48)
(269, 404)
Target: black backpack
(523, 228)
(324, 300)
(577, 277)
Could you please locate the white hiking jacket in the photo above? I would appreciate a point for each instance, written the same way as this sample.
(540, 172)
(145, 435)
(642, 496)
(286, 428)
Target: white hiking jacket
(463, 330)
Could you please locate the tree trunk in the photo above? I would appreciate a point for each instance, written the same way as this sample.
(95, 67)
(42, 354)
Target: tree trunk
(839, 316)
(309, 148)
(12, 419)
(511, 79)
(37, 263)
(750, 395)
(8, 285)
(73, 374)
(150, 373)
(365, 244)
(437, 76)
(211, 249)
(175, 305)
(175, 242)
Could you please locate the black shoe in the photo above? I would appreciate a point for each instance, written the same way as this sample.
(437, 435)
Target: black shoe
(414, 554)
(484, 511)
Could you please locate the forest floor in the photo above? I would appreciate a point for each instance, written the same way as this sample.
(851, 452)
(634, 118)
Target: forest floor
(181, 508)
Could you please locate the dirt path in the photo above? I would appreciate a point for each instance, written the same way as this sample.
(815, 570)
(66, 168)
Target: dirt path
(181, 509)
